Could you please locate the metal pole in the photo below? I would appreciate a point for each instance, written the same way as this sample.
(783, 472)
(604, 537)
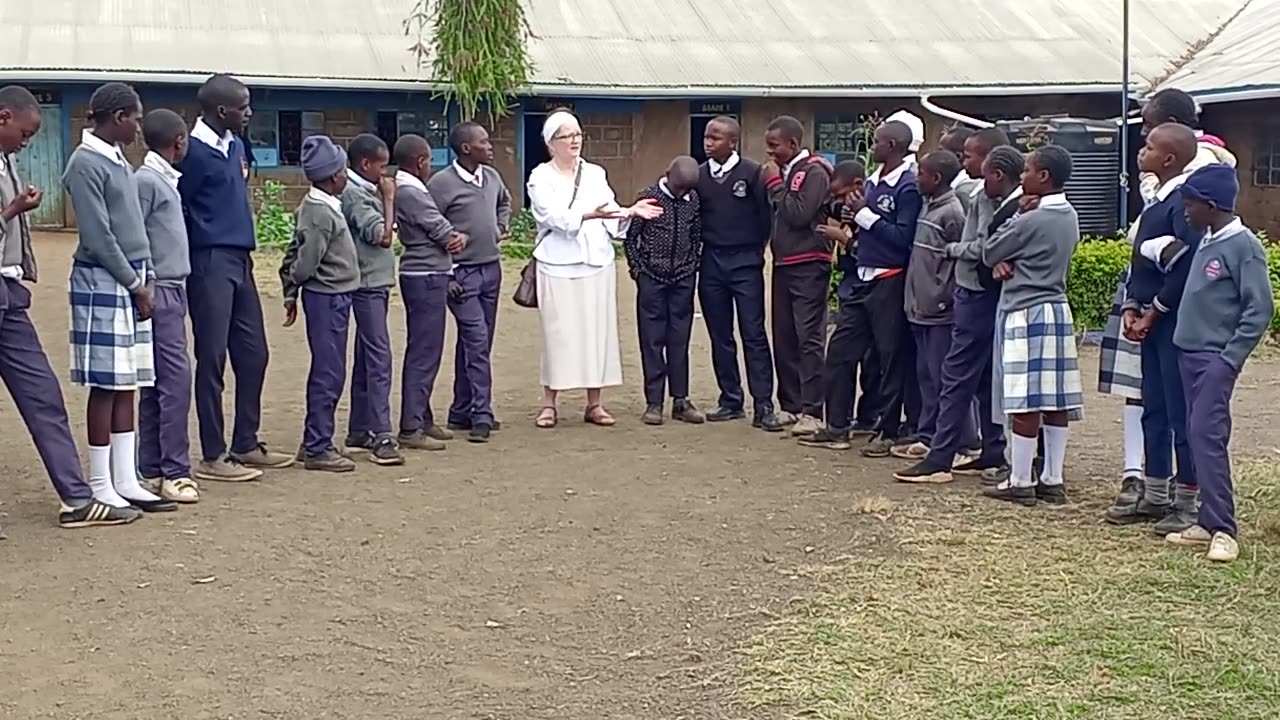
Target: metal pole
(1124, 123)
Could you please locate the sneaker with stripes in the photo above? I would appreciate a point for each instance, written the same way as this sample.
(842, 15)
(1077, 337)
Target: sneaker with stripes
(95, 513)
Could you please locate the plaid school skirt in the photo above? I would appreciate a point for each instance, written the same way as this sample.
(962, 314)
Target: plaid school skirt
(1036, 365)
(1120, 362)
(110, 346)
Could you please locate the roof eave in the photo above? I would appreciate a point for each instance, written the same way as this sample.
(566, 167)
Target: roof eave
(1269, 91)
(571, 89)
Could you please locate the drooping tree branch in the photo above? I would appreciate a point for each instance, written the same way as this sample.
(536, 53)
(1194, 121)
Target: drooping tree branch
(476, 48)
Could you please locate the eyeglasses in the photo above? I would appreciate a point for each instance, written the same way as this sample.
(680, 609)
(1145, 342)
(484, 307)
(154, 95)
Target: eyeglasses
(570, 136)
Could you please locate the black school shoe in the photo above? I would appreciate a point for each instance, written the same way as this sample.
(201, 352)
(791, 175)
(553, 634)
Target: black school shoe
(768, 422)
(479, 432)
(95, 513)
(1019, 495)
(158, 505)
(652, 415)
(924, 473)
(1052, 494)
(684, 410)
(828, 439)
(975, 468)
(723, 414)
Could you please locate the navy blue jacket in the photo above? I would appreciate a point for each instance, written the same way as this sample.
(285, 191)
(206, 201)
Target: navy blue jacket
(887, 242)
(1151, 283)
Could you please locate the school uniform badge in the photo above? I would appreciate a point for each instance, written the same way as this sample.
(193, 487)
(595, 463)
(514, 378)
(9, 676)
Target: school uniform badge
(885, 203)
(244, 168)
(740, 188)
(1213, 269)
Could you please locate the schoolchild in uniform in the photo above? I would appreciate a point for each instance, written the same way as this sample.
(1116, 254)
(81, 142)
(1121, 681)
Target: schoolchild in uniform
(953, 141)
(367, 201)
(112, 295)
(473, 198)
(430, 242)
(799, 186)
(663, 255)
(1037, 372)
(326, 269)
(164, 447)
(930, 289)
(736, 223)
(1215, 334)
(24, 367)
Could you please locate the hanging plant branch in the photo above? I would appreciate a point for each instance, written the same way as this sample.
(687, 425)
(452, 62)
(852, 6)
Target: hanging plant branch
(477, 48)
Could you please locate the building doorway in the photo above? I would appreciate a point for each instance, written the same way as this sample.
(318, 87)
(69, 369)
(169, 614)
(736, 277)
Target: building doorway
(535, 150)
(702, 112)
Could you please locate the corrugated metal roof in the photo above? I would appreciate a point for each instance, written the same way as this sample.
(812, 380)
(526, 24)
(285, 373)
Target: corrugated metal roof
(782, 47)
(1240, 61)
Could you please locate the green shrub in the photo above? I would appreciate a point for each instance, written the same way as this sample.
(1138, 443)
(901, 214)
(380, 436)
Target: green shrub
(523, 229)
(1096, 269)
(273, 222)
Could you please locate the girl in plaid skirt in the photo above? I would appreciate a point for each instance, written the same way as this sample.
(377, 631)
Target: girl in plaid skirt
(111, 298)
(1036, 369)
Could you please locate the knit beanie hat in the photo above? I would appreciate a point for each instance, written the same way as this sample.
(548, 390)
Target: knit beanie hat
(321, 159)
(1216, 184)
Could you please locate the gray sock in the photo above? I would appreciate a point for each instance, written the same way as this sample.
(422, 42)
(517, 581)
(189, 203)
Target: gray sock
(1156, 490)
(1184, 495)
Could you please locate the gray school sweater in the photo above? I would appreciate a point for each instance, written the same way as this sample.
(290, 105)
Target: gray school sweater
(322, 255)
(968, 252)
(362, 208)
(424, 232)
(1232, 304)
(1039, 245)
(109, 222)
(483, 213)
(930, 282)
(166, 229)
(15, 235)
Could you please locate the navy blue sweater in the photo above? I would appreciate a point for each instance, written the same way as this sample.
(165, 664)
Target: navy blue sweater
(735, 209)
(887, 243)
(1149, 283)
(215, 197)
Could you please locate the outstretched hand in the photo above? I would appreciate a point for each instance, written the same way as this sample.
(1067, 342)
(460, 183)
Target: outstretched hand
(646, 209)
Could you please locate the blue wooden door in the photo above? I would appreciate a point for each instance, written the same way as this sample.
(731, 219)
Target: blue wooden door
(40, 164)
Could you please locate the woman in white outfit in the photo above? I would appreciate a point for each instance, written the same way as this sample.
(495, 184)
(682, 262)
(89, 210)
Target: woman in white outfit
(577, 218)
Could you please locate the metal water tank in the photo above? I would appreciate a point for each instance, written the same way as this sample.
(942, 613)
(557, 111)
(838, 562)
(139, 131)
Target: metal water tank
(1095, 157)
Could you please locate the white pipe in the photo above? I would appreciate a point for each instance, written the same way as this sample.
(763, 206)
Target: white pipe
(952, 115)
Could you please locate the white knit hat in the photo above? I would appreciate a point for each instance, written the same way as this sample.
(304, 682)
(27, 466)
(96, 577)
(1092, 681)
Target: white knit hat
(914, 123)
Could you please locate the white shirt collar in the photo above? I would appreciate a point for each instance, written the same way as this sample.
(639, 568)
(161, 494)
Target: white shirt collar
(153, 161)
(961, 178)
(404, 179)
(321, 196)
(1230, 228)
(893, 177)
(102, 147)
(800, 156)
(718, 170)
(206, 135)
(354, 177)
(1013, 196)
(1173, 184)
(662, 185)
(979, 187)
(476, 178)
(1054, 200)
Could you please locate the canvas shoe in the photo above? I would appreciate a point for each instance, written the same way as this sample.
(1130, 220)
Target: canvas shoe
(329, 460)
(910, 451)
(1223, 548)
(261, 457)
(226, 469)
(435, 432)
(94, 513)
(385, 451)
(878, 447)
(1194, 536)
(180, 490)
(787, 419)
(806, 425)
(828, 439)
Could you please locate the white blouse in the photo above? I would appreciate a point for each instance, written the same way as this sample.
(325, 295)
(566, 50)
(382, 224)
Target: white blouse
(570, 247)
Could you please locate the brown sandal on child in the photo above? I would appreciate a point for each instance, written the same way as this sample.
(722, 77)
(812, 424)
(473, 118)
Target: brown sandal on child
(547, 418)
(597, 415)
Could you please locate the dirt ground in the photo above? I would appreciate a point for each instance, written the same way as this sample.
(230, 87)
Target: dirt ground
(580, 573)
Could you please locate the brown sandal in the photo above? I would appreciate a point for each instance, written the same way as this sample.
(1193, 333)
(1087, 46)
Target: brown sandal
(597, 415)
(547, 418)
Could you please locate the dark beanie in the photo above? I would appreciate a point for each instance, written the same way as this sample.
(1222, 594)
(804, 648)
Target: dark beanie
(1215, 184)
(321, 159)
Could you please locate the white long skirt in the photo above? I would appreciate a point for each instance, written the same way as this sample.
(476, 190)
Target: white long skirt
(580, 330)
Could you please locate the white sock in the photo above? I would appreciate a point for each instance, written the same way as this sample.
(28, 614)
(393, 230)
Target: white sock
(1055, 451)
(100, 477)
(124, 467)
(1023, 450)
(1134, 450)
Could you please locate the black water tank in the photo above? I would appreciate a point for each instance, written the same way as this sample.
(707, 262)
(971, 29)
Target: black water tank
(1094, 145)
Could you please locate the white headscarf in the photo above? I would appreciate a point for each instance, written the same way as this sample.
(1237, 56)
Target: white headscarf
(914, 123)
(554, 122)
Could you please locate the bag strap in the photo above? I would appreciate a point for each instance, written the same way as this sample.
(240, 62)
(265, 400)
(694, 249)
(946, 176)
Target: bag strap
(577, 181)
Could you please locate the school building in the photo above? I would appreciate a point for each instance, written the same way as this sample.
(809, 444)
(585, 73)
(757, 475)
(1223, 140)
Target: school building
(644, 78)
